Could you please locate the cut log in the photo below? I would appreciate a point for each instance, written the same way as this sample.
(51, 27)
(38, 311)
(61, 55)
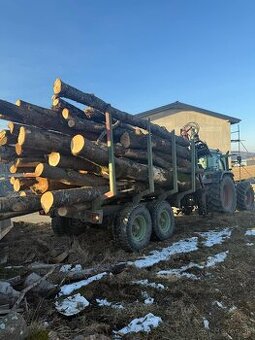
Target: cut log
(45, 141)
(58, 198)
(71, 162)
(60, 105)
(64, 90)
(14, 169)
(69, 177)
(28, 162)
(133, 141)
(26, 152)
(19, 204)
(7, 138)
(23, 183)
(85, 125)
(94, 114)
(43, 184)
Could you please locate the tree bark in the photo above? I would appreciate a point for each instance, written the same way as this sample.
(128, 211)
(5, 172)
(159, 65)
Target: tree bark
(7, 138)
(44, 141)
(69, 177)
(7, 154)
(58, 198)
(71, 162)
(28, 162)
(133, 141)
(44, 184)
(67, 91)
(26, 152)
(23, 183)
(20, 204)
(85, 125)
(60, 105)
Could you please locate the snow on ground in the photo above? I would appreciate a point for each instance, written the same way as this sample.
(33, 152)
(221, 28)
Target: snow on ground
(181, 272)
(219, 304)
(66, 268)
(250, 232)
(146, 283)
(213, 237)
(156, 256)
(148, 300)
(144, 324)
(106, 303)
(249, 244)
(71, 305)
(71, 287)
(206, 323)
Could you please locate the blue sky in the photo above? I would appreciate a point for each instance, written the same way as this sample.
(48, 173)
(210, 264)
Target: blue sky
(135, 54)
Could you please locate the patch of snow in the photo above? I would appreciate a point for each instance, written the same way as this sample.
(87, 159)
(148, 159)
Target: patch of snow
(71, 287)
(149, 301)
(156, 256)
(146, 283)
(66, 268)
(219, 304)
(232, 309)
(213, 237)
(217, 258)
(250, 244)
(71, 305)
(106, 303)
(250, 232)
(144, 324)
(181, 272)
(206, 323)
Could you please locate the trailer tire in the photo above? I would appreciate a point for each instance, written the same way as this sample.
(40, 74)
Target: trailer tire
(245, 196)
(59, 225)
(76, 227)
(133, 227)
(163, 223)
(221, 197)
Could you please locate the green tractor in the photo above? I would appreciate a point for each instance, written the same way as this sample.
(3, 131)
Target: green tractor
(222, 193)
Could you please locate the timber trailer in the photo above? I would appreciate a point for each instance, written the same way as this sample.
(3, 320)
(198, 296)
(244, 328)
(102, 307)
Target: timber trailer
(135, 218)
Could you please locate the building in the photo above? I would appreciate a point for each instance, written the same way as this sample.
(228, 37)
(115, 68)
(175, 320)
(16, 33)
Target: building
(215, 128)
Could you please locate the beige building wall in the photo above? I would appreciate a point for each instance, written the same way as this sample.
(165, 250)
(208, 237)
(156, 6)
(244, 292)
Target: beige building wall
(214, 131)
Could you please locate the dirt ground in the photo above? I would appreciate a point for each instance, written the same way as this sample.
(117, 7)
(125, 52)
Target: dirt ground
(210, 302)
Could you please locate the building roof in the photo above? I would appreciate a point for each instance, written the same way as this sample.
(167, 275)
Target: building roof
(187, 107)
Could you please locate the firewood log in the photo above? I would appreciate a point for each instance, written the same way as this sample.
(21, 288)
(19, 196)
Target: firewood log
(58, 198)
(64, 90)
(71, 162)
(7, 153)
(69, 177)
(44, 184)
(20, 204)
(23, 183)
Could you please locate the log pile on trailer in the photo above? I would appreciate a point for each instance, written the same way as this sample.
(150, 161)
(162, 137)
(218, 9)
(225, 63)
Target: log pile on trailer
(65, 158)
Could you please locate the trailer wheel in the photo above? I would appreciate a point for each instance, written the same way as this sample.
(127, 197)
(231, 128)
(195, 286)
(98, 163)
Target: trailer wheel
(76, 227)
(221, 197)
(133, 228)
(59, 225)
(245, 196)
(162, 220)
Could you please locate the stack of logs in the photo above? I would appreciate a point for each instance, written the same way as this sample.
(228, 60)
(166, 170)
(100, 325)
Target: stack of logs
(59, 156)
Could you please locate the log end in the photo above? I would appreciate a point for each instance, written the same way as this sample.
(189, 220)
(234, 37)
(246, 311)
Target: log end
(16, 185)
(11, 127)
(39, 169)
(18, 102)
(18, 149)
(47, 201)
(65, 113)
(22, 135)
(77, 144)
(54, 158)
(57, 87)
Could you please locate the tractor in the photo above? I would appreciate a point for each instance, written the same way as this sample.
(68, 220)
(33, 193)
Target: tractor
(222, 193)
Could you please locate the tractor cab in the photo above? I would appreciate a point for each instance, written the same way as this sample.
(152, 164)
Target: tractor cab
(213, 161)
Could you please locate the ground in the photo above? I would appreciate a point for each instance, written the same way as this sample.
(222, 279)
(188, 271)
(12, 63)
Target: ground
(205, 282)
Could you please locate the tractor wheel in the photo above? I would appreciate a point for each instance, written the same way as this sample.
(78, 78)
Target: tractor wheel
(221, 197)
(59, 225)
(162, 220)
(245, 196)
(133, 228)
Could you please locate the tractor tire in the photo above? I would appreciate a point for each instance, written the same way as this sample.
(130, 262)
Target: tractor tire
(60, 225)
(162, 218)
(221, 197)
(133, 228)
(245, 196)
